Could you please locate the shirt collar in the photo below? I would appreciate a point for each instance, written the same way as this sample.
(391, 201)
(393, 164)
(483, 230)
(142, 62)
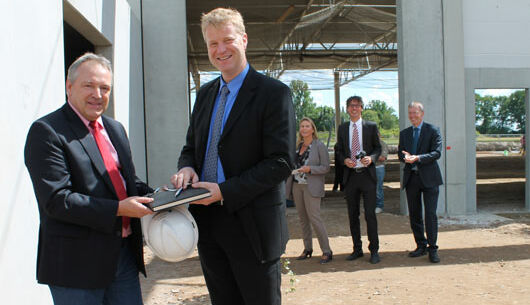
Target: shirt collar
(237, 82)
(359, 123)
(419, 126)
(83, 119)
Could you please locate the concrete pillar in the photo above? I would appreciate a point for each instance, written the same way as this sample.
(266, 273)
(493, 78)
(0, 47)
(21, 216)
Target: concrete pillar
(337, 102)
(421, 68)
(456, 164)
(527, 156)
(165, 86)
(136, 92)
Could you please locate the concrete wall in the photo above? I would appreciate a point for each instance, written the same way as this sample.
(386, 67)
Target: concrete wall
(32, 86)
(447, 49)
(492, 78)
(496, 33)
(456, 166)
(497, 56)
(166, 86)
(421, 69)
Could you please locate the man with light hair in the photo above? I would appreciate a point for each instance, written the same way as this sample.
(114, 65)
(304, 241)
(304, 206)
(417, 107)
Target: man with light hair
(240, 146)
(420, 147)
(90, 247)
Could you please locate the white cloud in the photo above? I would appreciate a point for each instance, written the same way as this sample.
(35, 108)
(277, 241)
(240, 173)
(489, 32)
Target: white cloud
(495, 92)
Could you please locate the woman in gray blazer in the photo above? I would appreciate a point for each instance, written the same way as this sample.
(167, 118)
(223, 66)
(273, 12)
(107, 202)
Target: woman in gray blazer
(306, 187)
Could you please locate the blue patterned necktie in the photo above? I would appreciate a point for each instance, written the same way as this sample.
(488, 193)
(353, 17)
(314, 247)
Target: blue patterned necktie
(415, 137)
(210, 161)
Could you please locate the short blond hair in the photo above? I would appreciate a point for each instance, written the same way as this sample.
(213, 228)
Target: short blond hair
(221, 16)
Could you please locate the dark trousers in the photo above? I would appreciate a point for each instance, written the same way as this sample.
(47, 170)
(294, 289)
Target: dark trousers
(124, 289)
(362, 183)
(231, 269)
(415, 189)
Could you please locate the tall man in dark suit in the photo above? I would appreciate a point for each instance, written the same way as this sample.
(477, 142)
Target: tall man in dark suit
(419, 147)
(356, 136)
(90, 245)
(240, 145)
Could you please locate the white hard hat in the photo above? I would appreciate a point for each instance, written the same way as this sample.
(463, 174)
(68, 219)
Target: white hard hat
(171, 234)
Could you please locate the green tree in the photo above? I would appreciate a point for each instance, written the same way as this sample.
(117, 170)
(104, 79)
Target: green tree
(302, 100)
(371, 115)
(325, 118)
(512, 111)
(386, 115)
(500, 114)
(486, 109)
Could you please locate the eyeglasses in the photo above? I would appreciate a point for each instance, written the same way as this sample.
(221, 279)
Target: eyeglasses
(355, 105)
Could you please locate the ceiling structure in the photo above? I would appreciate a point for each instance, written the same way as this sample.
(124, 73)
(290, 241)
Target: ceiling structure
(350, 37)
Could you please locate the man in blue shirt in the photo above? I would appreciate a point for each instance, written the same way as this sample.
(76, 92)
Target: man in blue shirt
(420, 147)
(240, 146)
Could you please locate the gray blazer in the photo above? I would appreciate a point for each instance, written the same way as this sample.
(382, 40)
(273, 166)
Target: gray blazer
(318, 160)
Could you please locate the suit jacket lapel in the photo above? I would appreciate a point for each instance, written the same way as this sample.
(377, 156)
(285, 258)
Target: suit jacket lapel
(88, 142)
(420, 139)
(244, 96)
(119, 144)
(365, 135)
(207, 111)
(346, 139)
(408, 139)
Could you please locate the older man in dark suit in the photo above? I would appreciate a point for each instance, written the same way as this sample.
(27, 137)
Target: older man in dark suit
(420, 145)
(240, 145)
(358, 148)
(90, 245)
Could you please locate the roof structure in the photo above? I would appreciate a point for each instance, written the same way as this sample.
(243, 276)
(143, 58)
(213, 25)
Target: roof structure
(351, 37)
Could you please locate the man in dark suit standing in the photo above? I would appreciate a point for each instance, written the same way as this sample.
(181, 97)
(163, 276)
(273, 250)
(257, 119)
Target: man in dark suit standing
(240, 145)
(419, 147)
(90, 245)
(355, 137)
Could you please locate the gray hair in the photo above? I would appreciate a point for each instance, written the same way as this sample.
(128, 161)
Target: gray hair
(72, 70)
(415, 104)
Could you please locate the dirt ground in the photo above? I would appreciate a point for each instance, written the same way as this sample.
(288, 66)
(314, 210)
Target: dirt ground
(485, 258)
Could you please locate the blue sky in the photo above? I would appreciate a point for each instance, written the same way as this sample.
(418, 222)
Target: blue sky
(381, 85)
(375, 86)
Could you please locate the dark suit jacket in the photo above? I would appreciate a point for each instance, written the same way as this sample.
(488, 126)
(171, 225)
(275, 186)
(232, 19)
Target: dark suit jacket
(256, 150)
(429, 150)
(371, 146)
(80, 235)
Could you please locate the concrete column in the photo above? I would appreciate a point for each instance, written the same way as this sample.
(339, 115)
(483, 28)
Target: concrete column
(136, 92)
(32, 81)
(337, 102)
(165, 86)
(527, 156)
(456, 165)
(421, 68)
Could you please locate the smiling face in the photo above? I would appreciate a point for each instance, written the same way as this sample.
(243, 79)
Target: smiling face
(226, 49)
(90, 91)
(355, 109)
(415, 115)
(306, 130)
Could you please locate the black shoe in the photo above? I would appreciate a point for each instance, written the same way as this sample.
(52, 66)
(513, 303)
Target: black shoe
(326, 257)
(420, 251)
(374, 258)
(433, 256)
(305, 254)
(355, 255)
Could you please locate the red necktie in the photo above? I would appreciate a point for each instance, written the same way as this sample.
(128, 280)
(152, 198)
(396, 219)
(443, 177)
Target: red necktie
(355, 146)
(112, 169)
